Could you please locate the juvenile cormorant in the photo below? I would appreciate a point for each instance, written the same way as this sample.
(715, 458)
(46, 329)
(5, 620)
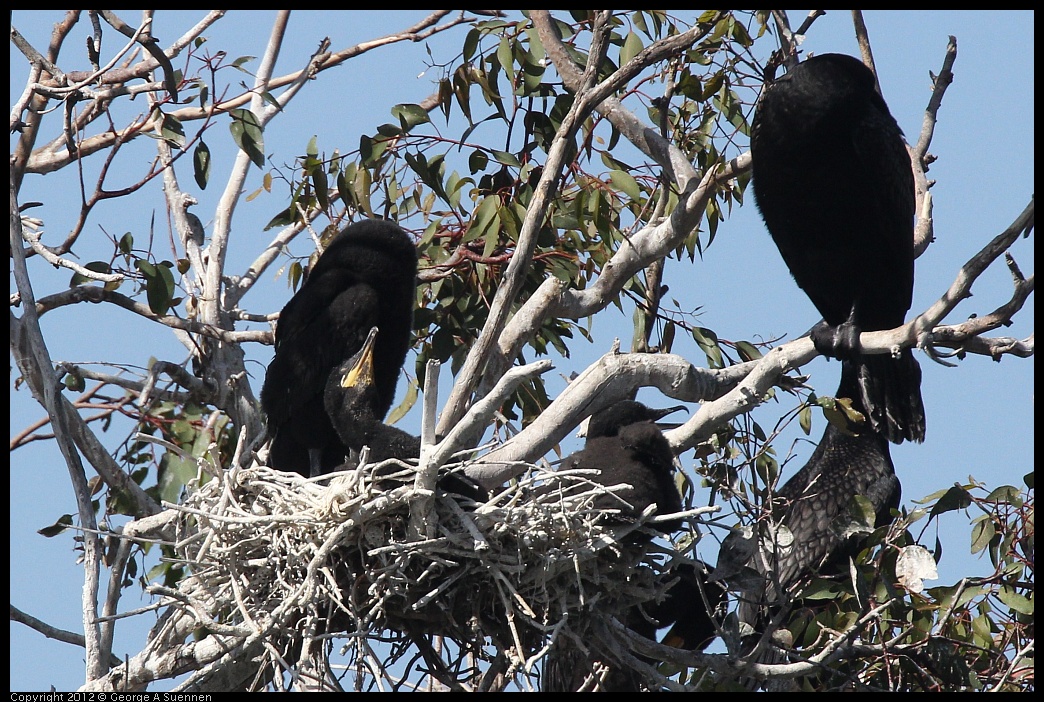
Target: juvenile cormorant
(833, 182)
(365, 278)
(813, 505)
(350, 398)
(625, 446)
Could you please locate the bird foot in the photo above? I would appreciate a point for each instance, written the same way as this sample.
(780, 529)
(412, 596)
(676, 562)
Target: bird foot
(840, 342)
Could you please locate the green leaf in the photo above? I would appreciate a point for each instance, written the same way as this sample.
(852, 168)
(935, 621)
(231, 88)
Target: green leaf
(238, 63)
(282, 219)
(321, 187)
(201, 164)
(271, 100)
(390, 130)
(477, 161)
(172, 131)
(805, 419)
(462, 90)
(344, 190)
(371, 149)
(248, 135)
(954, 499)
(410, 115)
(1019, 603)
(667, 340)
(506, 59)
(708, 341)
(361, 185)
(748, 351)
(471, 43)
(1005, 493)
(96, 266)
(445, 94)
(505, 158)
(159, 284)
(982, 534)
(632, 45)
(74, 381)
(485, 220)
(176, 472)
(625, 183)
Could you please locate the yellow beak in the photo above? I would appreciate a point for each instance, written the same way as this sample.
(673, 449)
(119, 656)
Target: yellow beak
(362, 371)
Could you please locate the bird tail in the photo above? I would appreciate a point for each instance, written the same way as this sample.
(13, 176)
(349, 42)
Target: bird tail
(890, 390)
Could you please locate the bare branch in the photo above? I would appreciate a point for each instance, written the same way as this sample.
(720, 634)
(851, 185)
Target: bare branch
(55, 633)
(924, 232)
(926, 322)
(93, 293)
(33, 359)
(33, 239)
(48, 159)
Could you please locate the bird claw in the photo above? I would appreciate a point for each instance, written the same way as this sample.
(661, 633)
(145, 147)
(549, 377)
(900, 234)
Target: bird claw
(840, 342)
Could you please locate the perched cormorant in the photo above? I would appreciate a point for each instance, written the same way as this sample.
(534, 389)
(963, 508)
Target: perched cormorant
(833, 182)
(350, 398)
(365, 278)
(813, 505)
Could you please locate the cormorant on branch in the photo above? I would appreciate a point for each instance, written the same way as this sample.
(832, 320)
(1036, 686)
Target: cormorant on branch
(814, 505)
(350, 398)
(365, 278)
(833, 181)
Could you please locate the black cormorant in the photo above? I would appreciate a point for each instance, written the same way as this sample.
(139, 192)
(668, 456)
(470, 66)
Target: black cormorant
(366, 277)
(833, 182)
(814, 506)
(350, 398)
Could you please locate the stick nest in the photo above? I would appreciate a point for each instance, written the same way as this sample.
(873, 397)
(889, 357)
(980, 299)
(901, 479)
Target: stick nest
(372, 557)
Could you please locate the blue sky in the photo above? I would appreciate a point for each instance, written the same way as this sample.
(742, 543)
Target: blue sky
(979, 414)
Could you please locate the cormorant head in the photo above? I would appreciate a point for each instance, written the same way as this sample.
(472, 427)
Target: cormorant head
(351, 388)
(609, 421)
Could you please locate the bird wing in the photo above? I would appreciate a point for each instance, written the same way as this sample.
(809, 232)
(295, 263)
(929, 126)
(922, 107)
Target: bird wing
(887, 212)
